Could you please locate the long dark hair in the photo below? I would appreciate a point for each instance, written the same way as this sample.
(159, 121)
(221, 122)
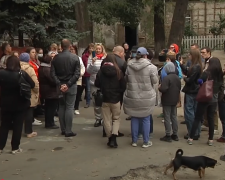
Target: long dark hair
(195, 58)
(111, 58)
(215, 69)
(13, 63)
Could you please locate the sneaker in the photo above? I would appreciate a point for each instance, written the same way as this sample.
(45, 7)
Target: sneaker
(134, 144)
(174, 137)
(166, 139)
(98, 123)
(189, 141)
(56, 119)
(148, 144)
(76, 112)
(36, 123)
(222, 158)
(210, 142)
(221, 140)
(140, 137)
(163, 120)
(17, 151)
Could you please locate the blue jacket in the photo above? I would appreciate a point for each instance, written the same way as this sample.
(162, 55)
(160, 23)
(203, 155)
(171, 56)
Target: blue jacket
(180, 74)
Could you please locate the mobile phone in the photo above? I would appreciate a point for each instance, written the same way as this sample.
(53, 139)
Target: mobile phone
(93, 54)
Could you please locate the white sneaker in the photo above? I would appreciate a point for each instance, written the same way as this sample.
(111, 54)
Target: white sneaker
(56, 119)
(163, 121)
(146, 145)
(17, 151)
(37, 122)
(134, 144)
(76, 112)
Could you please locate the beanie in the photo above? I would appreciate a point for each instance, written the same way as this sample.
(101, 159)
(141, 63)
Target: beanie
(24, 57)
(169, 67)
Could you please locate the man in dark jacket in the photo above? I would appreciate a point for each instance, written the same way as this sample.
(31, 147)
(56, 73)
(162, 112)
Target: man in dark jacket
(170, 89)
(65, 70)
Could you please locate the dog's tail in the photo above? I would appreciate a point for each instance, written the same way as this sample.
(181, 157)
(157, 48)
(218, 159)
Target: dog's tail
(179, 152)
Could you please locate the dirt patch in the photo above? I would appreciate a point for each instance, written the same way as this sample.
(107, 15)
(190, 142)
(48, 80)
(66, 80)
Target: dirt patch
(150, 172)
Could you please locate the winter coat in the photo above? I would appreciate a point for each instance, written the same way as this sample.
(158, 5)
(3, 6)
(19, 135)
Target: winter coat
(85, 62)
(109, 84)
(140, 96)
(34, 101)
(82, 71)
(93, 69)
(170, 86)
(48, 87)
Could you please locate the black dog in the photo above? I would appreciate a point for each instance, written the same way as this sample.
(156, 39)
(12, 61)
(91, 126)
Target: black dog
(197, 163)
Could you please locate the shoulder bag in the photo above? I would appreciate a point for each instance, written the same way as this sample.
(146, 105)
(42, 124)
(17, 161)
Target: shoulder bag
(25, 88)
(205, 92)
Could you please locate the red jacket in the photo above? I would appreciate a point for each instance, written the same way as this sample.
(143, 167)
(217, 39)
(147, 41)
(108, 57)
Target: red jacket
(35, 66)
(85, 61)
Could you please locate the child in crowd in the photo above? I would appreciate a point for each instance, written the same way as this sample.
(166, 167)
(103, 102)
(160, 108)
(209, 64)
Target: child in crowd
(170, 88)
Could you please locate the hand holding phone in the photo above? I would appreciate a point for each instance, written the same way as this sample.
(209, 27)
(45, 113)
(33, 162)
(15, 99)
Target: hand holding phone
(93, 54)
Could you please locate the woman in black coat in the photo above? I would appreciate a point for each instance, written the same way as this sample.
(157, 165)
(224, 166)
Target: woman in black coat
(48, 91)
(13, 104)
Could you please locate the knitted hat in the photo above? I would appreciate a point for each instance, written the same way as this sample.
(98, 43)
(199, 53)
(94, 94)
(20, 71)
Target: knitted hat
(24, 57)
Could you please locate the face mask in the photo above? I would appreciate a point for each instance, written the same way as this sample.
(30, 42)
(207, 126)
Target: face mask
(40, 55)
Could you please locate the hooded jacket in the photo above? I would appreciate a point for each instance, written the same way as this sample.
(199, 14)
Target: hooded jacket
(140, 95)
(110, 85)
(170, 86)
(34, 101)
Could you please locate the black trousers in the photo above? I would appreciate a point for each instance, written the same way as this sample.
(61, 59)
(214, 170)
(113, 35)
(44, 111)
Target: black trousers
(29, 118)
(51, 106)
(78, 97)
(7, 119)
(209, 108)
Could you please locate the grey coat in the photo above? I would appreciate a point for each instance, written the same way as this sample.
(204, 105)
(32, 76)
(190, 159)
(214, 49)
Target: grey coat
(140, 95)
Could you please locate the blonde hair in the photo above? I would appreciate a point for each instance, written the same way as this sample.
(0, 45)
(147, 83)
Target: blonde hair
(53, 47)
(171, 55)
(103, 48)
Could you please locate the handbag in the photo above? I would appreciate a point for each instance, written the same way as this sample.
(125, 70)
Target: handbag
(25, 88)
(98, 96)
(205, 92)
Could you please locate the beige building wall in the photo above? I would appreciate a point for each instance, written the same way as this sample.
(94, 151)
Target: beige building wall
(202, 15)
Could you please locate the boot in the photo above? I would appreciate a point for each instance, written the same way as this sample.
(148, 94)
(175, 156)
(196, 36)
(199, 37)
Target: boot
(113, 142)
(98, 123)
(109, 141)
(104, 134)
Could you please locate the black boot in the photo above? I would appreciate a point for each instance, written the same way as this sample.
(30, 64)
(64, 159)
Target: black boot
(98, 123)
(104, 134)
(120, 134)
(113, 142)
(109, 141)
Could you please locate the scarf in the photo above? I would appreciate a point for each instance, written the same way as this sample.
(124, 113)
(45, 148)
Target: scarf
(99, 56)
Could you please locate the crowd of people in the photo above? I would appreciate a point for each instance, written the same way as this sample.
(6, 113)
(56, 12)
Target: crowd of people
(33, 82)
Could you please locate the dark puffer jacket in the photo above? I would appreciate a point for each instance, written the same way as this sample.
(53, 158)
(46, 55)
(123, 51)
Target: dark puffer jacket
(48, 87)
(109, 84)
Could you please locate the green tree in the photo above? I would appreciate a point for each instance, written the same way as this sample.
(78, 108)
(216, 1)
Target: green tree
(44, 21)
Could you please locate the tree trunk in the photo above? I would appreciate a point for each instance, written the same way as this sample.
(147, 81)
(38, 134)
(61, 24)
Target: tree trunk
(20, 36)
(178, 22)
(83, 25)
(159, 28)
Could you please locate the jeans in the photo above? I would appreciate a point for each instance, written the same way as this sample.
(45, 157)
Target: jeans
(87, 90)
(221, 106)
(29, 120)
(190, 105)
(135, 121)
(78, 96)
(7, 119)
(66, 105)
(140, 131)
(170, 116)
(209, 108)
(50, 108)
